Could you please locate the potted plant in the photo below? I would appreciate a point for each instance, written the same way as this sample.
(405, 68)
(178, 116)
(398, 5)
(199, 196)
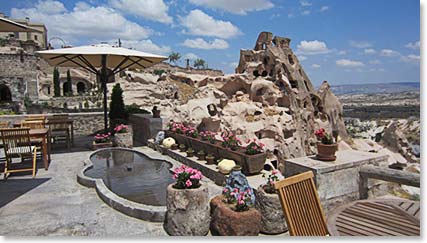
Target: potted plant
(190, 152)
(230, 140)
(182, 147)
(326, 147)
(268, 204)
(201, 155)
(177, 131)
(123, 136)
(102, 140)
(191, 132)
(234, 215)
(187, 204)
(210, 159)
(174, 146)
(208, 136)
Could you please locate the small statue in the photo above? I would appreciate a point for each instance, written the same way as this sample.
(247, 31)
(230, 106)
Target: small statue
(159, 137)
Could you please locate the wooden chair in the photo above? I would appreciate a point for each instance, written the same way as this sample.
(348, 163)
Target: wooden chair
(34, 124)
(60, 130)
(301, 206)
(35, 117)
(17, 144)
(4, 124)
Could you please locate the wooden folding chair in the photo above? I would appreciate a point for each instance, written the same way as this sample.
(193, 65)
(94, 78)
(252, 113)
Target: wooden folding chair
(34, 124)
(301, 206)
(17, 144)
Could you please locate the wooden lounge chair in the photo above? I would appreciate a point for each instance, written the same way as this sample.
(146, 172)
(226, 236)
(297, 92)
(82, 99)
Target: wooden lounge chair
(301, 206)
(17, 144)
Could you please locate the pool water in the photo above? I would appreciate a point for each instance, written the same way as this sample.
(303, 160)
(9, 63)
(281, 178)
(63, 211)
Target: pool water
(132, 175)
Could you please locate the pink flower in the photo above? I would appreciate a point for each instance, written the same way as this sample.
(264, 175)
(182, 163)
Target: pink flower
(225, 190)
(274, 172)
(241, 202)
(236, 190)
(188, 183)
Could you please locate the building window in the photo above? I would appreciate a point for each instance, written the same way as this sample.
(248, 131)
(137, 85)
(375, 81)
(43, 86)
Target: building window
(81, 88)
(35, 37)
(5, 94)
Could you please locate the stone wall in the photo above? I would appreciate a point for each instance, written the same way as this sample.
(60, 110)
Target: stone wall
(18, 71)
(84, 123)
(145, 127)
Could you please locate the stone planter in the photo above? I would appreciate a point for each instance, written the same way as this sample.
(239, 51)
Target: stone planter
(326, 152)
(187, 211)
(96, 146)
(210, 160)
(272, 218)
(124, 140)
(227, 222)
(251, 164)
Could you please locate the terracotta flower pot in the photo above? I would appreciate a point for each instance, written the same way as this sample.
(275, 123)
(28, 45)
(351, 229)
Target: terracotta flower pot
(228, 222)
(326, 152)
(187, 211)
(272, 217)
(210, 160)
(174, 146)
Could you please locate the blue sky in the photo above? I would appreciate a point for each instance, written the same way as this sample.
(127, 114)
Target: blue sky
(344, 42)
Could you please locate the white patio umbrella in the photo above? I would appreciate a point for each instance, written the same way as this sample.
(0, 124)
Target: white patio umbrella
(7, 25)
(97, 58)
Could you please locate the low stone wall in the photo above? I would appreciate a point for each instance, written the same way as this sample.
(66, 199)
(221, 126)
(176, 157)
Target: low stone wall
(84, 123)
(145, 127)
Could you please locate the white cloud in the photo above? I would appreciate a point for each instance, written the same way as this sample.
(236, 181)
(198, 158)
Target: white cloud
(83, 22)
(389, 53)
(302, 58)
(413, 45)
(146, 46)
(324, 8)
(360, 44)
(411, 58)
(155, 10)
(305, 3)
(375, 62)
(349, 63)
(342, 52)
(315, 66)
(312, 47)
(200, 43)
(191, 56)
(369, 51)
(236, 6)
(306, 12)
(50, 7)
(199, 23)
(233, 64)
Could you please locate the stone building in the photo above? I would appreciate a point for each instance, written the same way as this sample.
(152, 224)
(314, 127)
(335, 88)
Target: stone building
(40, 38)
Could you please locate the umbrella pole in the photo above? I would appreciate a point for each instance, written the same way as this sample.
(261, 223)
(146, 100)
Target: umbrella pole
(104, 87)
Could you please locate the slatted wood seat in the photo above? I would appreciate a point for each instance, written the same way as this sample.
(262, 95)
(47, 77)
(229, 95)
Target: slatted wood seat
(376, 217)
(301, 206)
(17, 144)
(60, 129)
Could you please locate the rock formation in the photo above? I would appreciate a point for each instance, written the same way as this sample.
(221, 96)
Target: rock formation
(270, 97)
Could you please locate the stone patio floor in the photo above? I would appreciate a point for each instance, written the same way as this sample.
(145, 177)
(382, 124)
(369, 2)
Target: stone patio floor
(54, 204)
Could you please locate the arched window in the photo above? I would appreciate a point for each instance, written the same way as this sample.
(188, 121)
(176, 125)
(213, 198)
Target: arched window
(5, 95)
(66, 88)
(81, 88)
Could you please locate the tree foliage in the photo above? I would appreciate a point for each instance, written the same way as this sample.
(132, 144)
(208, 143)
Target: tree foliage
(56, 85)
(199, 63)
(174, 57)
(117, 113)
(69, 83)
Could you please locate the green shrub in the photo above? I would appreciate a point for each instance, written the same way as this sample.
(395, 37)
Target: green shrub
(117, 106)
(134, 109)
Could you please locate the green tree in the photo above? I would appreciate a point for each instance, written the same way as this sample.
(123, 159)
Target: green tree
(117, 113)
(174, 57)
(56, 85)
(69, 83)
(199, 63)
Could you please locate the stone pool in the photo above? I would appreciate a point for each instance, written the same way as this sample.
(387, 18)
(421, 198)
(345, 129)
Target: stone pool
(129, 181)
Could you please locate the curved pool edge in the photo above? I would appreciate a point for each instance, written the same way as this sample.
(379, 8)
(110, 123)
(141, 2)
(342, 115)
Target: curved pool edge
(137, 210)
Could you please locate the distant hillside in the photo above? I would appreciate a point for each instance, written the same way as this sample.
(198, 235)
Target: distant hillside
(375, 88)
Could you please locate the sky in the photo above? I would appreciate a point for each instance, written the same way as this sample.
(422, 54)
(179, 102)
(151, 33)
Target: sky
(344, 42)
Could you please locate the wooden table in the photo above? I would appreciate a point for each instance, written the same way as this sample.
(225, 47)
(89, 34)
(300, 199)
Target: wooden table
(43, 134)
(376, 217)
(67, 122)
